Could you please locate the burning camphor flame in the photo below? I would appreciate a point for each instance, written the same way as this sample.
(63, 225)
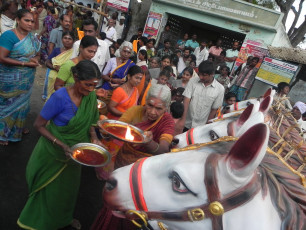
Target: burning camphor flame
(99, 105)
(76, 153)
(128, 134)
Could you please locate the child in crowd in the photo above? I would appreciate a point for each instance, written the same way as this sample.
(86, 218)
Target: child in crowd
(186, 75)
(193, 64)
(176, 111)
(177, 95)
(142, 57)
(164, 77)
(229, 99)
(154, 63)
(282, 91)
(220, 61)
(112, 51)
(174, 62)
(223, 77)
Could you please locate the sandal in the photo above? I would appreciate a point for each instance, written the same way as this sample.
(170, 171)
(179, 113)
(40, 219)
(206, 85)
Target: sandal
(75, 224)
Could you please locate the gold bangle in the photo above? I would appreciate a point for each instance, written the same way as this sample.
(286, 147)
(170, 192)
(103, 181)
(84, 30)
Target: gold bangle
(54, 141)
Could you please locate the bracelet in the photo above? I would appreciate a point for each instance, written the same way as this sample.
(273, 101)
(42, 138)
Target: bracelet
(156, 148)
(54, 141)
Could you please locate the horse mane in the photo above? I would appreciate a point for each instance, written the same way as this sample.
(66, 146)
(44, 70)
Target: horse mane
(287, 192)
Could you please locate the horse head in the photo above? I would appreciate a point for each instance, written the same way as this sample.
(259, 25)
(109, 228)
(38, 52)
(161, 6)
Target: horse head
(243, 104)
(225, 127)
(198, 189)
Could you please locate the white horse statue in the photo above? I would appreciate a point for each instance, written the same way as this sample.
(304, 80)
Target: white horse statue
(232, 126)
(213, 190)
(237, 108)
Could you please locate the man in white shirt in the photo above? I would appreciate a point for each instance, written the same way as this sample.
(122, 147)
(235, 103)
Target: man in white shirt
(202, 98)
(102, 55)
(231, 55)
(8, 15)
(183, 60)
(111, 34)
(201, 53)
(119, 27)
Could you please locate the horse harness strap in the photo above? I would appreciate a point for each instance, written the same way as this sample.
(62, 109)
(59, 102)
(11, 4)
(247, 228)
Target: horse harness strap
(216, 205)
(236, 106)
(136, 186)
(189, 137)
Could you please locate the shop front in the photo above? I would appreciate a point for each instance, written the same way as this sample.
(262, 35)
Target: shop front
(227, 19)
(230, 20)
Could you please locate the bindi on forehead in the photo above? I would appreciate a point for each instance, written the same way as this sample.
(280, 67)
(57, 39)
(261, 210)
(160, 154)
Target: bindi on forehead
(155, 103)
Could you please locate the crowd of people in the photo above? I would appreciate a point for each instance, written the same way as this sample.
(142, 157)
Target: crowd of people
(161, 88)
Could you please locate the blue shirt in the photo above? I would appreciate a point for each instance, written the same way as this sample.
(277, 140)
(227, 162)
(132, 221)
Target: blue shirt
(59, 108)
(192, 44)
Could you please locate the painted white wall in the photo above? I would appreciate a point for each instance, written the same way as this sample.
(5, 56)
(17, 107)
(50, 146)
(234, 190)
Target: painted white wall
(281, 39)
(298, 92)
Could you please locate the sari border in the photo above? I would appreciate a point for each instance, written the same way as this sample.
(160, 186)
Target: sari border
(50, 180)
(21, 225)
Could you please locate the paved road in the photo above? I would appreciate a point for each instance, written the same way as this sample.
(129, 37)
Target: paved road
(13, 187)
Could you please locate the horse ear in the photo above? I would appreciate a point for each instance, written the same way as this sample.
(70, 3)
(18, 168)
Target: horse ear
(248, 151)
(253, 120)
(268, 93)
(247, 113)
(265, 104)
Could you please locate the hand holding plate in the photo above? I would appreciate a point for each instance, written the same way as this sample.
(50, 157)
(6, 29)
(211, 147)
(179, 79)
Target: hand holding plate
(68, 151)
(98, 142)
(148, 136)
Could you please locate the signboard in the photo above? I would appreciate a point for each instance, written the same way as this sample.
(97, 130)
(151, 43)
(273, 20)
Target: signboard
(250, 48)
(122, 5)
(233, 9)
(152, 25)
(273, 71)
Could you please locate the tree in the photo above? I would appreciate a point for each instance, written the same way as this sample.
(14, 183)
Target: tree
(296, 35)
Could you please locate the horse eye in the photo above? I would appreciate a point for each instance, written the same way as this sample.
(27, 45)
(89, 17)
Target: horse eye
(177, 184)
(213, 135)
(248, 103)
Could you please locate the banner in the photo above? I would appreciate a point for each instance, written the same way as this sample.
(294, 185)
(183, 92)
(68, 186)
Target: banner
(273, 71)
(122, 5)
(250, 48)
(152, 25)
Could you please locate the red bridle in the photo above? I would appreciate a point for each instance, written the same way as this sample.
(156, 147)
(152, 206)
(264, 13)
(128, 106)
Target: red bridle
(213, 209)
(236, 106)
(136, 186)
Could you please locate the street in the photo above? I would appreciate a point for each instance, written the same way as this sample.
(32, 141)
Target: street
(13, 189)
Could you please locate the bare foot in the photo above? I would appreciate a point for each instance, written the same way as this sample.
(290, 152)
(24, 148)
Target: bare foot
(76, 224)
(3, 142)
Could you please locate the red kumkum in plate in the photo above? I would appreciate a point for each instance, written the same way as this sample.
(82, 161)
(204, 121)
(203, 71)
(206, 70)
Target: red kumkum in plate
(90, 154)
(123, 131)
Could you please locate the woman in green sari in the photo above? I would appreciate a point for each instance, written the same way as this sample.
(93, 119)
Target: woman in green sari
(53, 178)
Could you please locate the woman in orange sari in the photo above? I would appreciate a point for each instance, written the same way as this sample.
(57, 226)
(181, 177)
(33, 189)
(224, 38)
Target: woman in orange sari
(126, 95)
(159, 125)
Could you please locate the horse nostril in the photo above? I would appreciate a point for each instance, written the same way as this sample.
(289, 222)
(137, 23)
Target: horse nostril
(110, 184)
